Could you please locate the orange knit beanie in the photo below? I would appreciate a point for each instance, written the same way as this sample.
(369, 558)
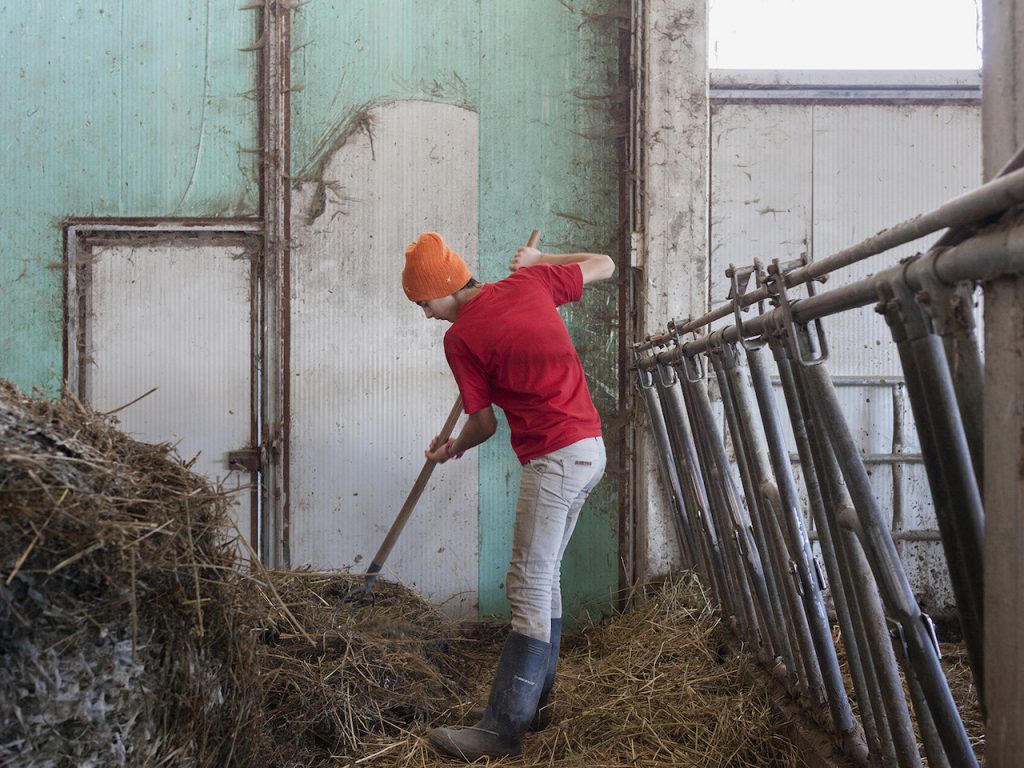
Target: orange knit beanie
(432, 269)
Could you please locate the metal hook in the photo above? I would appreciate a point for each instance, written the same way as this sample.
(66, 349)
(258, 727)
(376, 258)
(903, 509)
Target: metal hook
(776, 284)
(667, 375)
(644, 377)
(687, 363)
(736, 293)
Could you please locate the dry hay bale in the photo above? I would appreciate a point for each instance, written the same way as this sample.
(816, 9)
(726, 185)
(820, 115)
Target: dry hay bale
(119, 643)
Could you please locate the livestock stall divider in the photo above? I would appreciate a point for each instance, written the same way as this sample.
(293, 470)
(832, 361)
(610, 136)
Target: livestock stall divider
(749, 541)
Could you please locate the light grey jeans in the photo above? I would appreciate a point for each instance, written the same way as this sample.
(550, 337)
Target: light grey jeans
(551, 493)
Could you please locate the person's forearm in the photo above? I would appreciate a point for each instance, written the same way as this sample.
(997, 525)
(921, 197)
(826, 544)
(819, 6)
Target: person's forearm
(569, 258)
(595, 266)
(477, 429)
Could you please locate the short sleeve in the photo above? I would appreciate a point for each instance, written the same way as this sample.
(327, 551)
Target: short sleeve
(564, 281)
(469, 374)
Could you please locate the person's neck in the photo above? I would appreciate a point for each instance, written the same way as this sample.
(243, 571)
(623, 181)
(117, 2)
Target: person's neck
(467, 294)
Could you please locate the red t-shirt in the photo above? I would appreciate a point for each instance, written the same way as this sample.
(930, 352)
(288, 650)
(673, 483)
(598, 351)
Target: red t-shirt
(509, 347)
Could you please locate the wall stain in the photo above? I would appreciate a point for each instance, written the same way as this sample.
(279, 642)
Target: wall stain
(359, 120)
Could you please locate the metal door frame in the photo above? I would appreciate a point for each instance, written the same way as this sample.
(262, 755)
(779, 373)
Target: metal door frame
(82, 235)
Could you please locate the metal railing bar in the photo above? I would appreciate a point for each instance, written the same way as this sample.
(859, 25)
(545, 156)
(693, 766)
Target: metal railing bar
(970, 208)
(875, 458)
(987, 256)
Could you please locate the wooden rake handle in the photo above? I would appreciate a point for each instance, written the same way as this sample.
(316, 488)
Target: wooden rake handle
(421, 481)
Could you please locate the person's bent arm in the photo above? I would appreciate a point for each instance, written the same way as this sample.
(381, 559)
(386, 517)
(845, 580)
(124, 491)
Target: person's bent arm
(595, 266)
(479, 427)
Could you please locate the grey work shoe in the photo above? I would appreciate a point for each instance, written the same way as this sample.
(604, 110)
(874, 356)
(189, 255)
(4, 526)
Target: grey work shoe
(512, 704)
(545, 714)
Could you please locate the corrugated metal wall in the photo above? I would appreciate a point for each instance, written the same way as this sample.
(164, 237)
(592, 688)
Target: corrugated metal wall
(112, 109)
(483, 121)
(122, 110)
(192, 345)
(367, 389)
(792, 178)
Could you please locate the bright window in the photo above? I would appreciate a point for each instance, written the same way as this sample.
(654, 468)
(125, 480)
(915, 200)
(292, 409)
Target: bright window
(845, 34)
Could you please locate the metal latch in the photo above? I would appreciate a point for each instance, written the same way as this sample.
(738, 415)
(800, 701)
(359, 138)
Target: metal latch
(247, 459)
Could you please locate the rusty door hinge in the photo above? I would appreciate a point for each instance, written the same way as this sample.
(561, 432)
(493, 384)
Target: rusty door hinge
(247, 459)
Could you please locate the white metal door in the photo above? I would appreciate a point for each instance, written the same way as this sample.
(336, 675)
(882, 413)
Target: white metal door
(369, 383)
(176, 320)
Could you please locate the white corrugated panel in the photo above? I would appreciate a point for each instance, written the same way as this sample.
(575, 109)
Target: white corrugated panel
(176, 318)
(761, 188)
(369, 383)
(875, 166)
(822, 177)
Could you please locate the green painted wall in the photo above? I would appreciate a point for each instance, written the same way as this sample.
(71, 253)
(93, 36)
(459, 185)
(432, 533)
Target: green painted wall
(112, 109)
(119, 109)
(540, 74)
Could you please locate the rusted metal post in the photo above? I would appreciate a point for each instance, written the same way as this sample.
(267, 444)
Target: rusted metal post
(694, 495)
(947, 458)
(876, 538)
(882, 678)
(716, 484)
(750, 442)
(846, 613)
(275, 27)
(666, 462)
(756, 563)
(749, 576)
(800, 551)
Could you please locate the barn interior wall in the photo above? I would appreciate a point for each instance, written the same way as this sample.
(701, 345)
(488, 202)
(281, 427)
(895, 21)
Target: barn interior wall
(542, 82)
(112, 110)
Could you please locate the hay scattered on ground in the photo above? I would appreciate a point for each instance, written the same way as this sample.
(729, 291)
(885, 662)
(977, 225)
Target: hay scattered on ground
(128, 636)
(654, 686)
(957, 669)
(648, 687)
(376, 669)
(961, 684)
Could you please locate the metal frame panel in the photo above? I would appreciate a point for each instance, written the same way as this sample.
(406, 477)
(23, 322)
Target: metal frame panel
(82, 236)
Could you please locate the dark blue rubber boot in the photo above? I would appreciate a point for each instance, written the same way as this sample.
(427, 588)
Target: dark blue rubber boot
(515, 693)
(545, 707)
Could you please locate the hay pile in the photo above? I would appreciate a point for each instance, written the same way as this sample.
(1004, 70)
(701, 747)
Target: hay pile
(336, 674)
(118, 638)
(129, 637)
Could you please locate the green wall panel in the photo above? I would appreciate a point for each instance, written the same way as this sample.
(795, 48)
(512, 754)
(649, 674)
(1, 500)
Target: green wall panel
(542, 76)
(112, 109)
